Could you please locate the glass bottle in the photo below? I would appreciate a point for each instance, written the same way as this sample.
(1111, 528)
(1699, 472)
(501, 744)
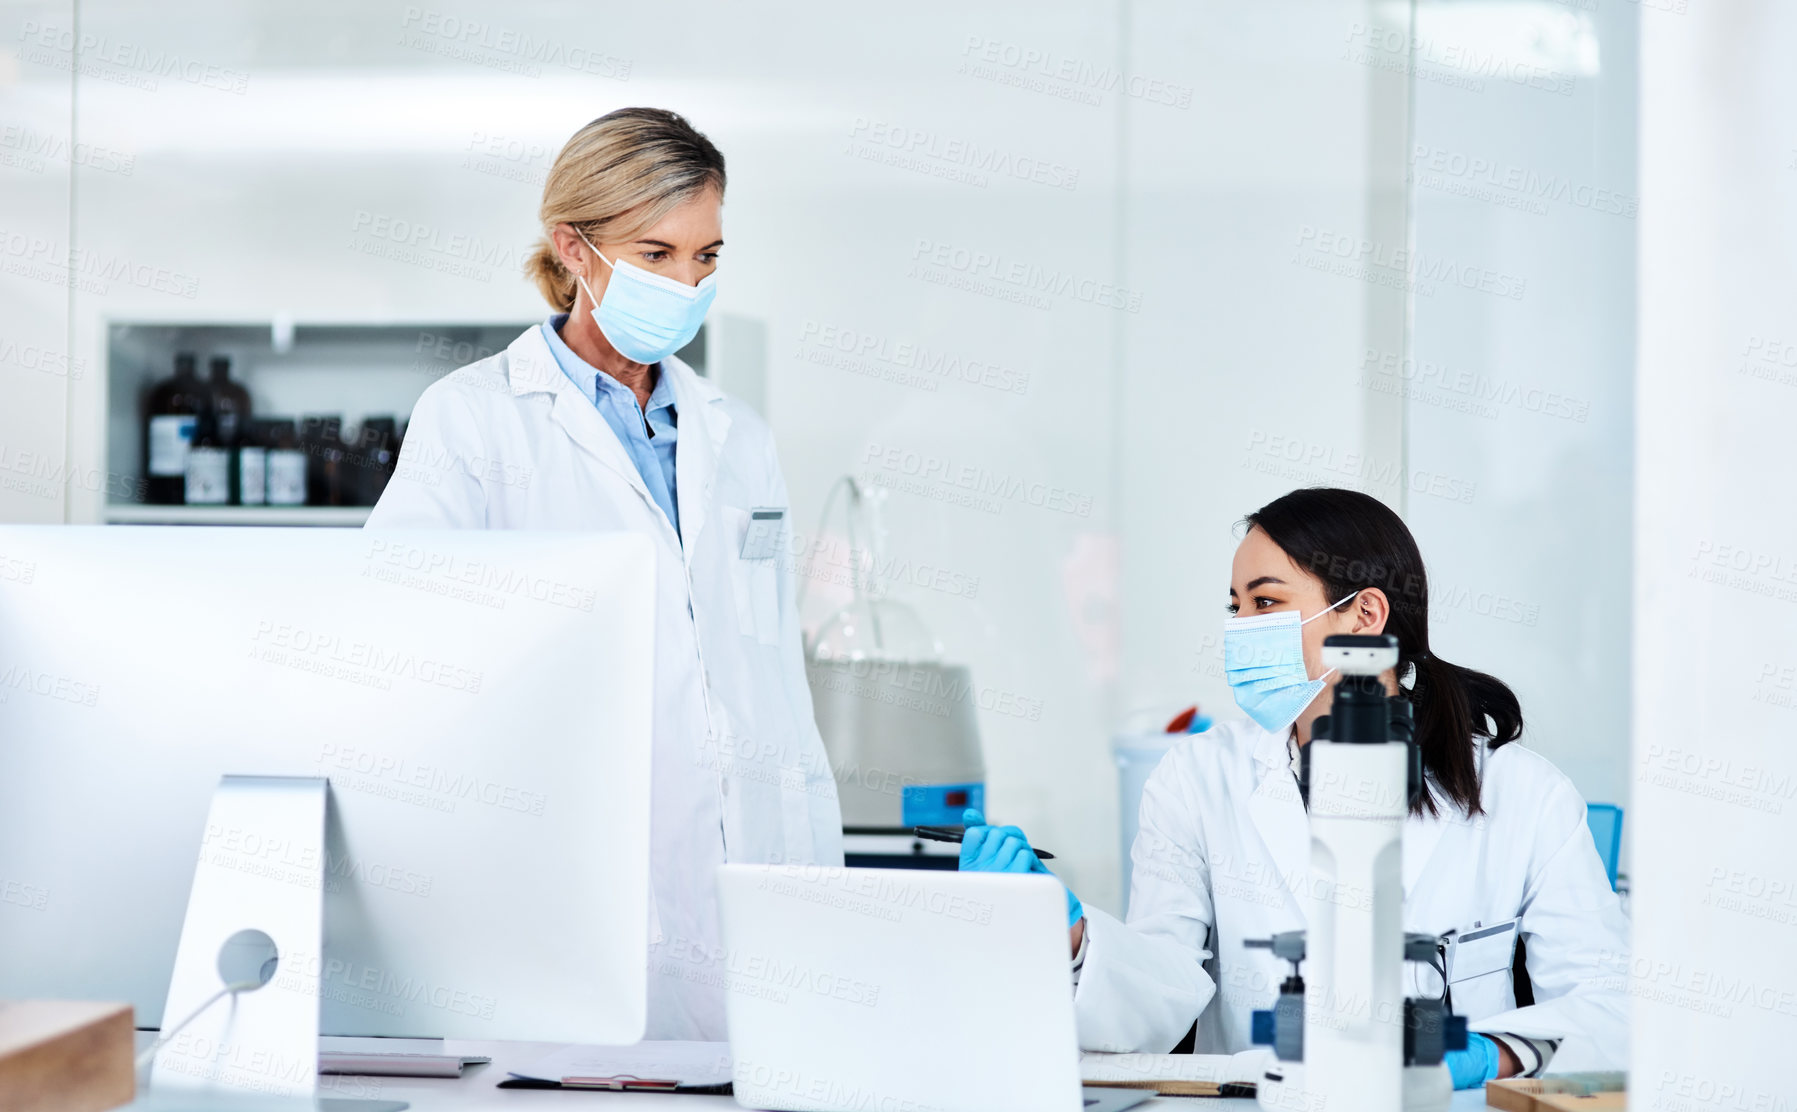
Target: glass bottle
(286, 465)
(208, 463)
(170, 413)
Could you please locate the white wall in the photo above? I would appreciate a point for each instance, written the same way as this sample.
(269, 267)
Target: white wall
(36, 152)
(1714, 776)
(1519, 382)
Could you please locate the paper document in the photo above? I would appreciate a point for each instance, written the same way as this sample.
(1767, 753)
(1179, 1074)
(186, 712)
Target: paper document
(644, 1065)
(1128, 1068)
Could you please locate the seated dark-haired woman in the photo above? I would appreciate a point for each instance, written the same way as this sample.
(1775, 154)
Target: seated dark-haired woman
(1223, 851)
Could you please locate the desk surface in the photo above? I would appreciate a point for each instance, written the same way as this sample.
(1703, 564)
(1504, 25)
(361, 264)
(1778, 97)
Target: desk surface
(475, 1090)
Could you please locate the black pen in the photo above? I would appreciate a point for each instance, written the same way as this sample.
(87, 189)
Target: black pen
(953, 834)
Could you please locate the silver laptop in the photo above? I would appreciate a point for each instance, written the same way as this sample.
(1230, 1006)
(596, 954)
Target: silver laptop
(850, 989)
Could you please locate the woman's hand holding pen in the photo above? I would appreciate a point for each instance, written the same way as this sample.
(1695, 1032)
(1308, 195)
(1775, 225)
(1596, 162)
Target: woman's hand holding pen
(1004, 849)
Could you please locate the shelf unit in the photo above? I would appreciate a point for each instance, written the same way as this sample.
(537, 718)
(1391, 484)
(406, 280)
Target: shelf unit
(355, 369)
(352, 369)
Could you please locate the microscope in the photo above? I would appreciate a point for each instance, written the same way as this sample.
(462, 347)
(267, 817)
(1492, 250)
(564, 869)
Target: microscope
(1344, 1036)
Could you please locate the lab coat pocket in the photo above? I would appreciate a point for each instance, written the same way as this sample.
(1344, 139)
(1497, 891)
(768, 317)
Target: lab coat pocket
(1478, 961)
(1481, 950)
(753, 581)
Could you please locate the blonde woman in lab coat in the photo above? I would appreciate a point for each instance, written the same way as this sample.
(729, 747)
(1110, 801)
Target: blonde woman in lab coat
(589, 422)
(1223, 850)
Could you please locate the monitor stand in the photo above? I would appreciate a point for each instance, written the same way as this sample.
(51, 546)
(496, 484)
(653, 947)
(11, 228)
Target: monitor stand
(243, 1004)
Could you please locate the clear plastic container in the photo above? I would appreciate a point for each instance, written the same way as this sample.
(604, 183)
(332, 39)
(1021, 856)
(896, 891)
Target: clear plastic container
(1137, 750)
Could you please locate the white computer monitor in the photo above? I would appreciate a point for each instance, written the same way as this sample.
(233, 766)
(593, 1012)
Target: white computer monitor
(480, 703)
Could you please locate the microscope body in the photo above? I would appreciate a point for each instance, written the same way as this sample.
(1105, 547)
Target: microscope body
(1354, 1012)
(1364, 1047)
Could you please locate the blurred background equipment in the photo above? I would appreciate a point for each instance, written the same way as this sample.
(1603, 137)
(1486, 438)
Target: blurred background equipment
(1138, 747)
(898, 721)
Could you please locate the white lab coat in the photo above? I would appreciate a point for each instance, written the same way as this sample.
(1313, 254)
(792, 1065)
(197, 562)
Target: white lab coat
(1222, 856)
(739, 771)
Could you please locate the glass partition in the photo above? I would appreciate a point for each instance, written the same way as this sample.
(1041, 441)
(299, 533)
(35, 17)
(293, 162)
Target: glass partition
(1518, 382)
(1071, 287)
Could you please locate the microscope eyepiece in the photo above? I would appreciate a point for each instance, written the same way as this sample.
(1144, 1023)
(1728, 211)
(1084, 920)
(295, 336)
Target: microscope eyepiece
(1355, 654)
(1362, 710)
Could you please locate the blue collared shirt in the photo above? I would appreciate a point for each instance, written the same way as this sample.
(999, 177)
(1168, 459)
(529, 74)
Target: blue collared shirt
(648, 433)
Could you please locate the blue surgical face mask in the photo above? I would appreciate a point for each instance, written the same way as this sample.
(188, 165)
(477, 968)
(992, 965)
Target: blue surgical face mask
(646, 316)
(1263, 660)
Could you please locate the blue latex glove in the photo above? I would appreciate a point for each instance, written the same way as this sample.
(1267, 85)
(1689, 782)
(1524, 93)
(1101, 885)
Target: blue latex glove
(1475, 1065)
(1004, 849)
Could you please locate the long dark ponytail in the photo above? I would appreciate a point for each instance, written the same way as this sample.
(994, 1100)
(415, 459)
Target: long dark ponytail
(1352, 541)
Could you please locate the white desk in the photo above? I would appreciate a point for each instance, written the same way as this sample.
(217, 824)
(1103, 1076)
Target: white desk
(475, 1091)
